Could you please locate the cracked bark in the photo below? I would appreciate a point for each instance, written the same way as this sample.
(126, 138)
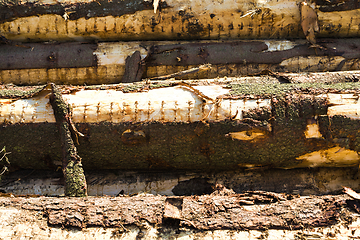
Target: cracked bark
(75, 182)
(207, 212)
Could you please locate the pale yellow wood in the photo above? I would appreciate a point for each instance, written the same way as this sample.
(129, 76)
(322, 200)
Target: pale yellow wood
(208, 19)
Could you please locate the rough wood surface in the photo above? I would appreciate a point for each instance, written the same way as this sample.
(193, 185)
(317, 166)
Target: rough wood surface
(114, 62)
(75, 182)
(45, 20)
(225, 126)
(301, 181)
(252, 210)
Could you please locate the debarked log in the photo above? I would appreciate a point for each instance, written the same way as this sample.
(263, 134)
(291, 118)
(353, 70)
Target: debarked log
(144, 20)
(79, 63)
(215, 125)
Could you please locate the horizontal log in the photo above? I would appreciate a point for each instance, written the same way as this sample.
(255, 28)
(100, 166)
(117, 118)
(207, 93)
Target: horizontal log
(210, 212)
(21, 216)
(178, 126)
(79, 63)
(139, 20)
(303, 181)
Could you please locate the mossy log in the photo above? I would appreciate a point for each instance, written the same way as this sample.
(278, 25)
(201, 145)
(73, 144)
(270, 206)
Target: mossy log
(90, 63)
(207, 125)
(42, 20)
(75, 182)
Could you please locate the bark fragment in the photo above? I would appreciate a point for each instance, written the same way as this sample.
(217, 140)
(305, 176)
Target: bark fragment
(198, 212)
(309, 22)
(134, 68)
(75, 182)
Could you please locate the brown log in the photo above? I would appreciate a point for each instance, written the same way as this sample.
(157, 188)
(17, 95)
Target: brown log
(173, 125)
(144, 20)
(75, 63)
(209, 212)
(75, 182)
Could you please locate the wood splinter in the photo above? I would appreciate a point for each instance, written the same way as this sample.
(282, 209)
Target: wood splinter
(75, 182)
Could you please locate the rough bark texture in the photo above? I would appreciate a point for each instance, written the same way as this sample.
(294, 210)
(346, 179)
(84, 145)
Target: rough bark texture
(201, 145)
(75, 182)
(130, 20)
(79, 63)
(252, 210)
(302, 181)
(11, 9)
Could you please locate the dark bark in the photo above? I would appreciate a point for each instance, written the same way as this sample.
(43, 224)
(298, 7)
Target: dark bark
(245, 52)
(72, 55)
(37, 55)
(10, 10)
(75, 182)
(337, 5)
(200, 145)
(209, 212)
(134, 68)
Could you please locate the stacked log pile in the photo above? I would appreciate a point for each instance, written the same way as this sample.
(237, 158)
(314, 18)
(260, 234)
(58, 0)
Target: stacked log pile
(117, 85)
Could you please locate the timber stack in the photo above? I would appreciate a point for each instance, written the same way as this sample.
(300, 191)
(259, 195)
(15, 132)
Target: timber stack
(92, 86)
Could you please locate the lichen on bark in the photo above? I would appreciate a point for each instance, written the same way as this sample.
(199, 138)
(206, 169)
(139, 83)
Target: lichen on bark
(75, 182)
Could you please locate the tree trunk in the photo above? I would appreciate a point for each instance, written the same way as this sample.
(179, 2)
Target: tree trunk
(140, 20)
(222, 125)
(101, 63)
(75, 182)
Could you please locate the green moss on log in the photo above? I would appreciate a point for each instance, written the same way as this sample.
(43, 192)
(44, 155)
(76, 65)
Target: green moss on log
(75, 182)
(269, 90)
(20, 92)
(202, 146)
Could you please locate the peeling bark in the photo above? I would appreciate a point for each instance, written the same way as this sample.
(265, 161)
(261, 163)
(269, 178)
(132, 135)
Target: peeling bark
(79, 63)
(75, 182)
(202, 212)
(136, 20)
(225, 126)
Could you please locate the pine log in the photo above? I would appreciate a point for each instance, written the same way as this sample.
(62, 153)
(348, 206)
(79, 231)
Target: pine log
(79, 63)
(218, 125)
(42, 20)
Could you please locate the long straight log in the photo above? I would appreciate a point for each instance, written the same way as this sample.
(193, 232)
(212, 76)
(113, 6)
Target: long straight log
(172, 125)
(76, 63)
(139, 20)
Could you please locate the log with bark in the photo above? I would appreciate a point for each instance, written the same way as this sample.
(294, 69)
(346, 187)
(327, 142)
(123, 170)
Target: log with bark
(169, 19)
(255, 210)
(199, 125)
(303, 181)
(90, 63)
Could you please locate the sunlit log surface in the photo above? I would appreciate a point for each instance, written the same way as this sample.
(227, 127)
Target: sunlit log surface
(214, 124)
(44, 20)
(101, 63)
